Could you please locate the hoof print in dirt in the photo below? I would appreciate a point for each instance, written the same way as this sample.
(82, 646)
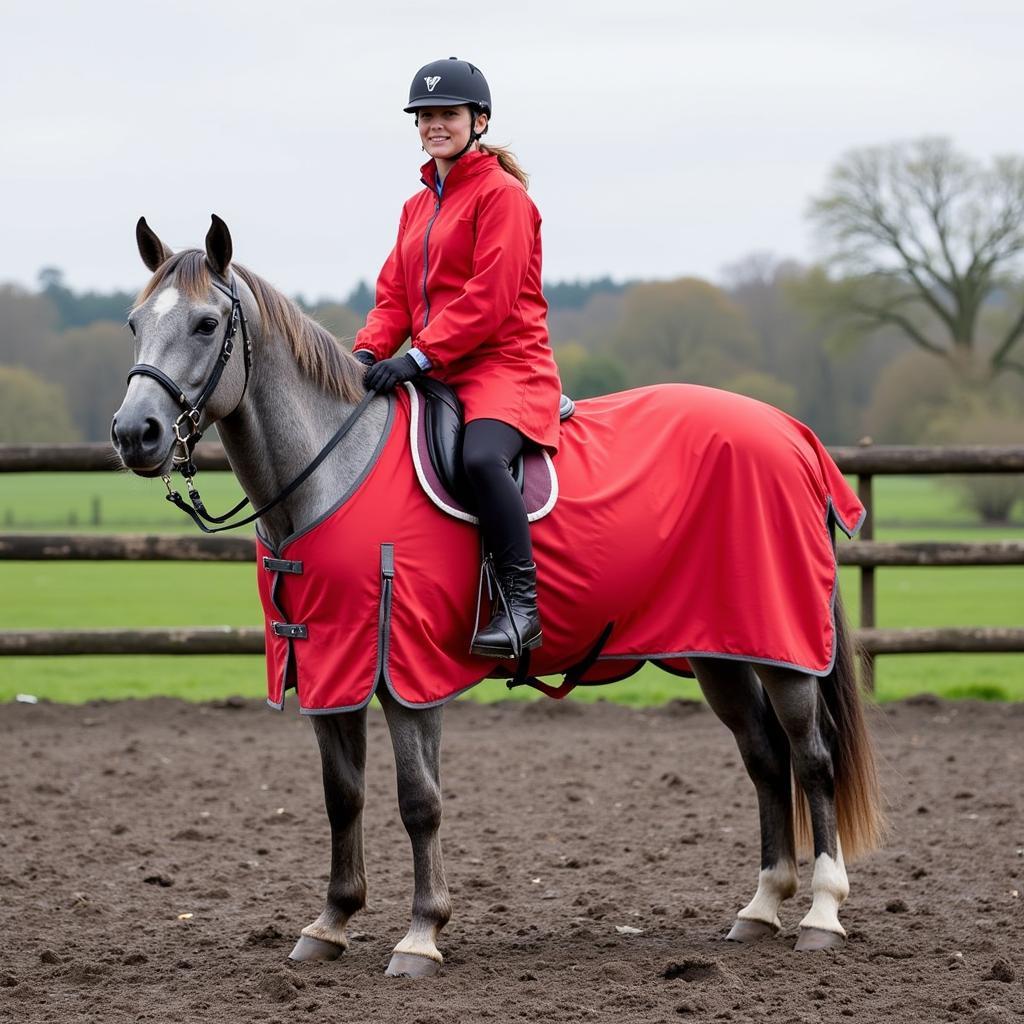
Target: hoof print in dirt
(269, 935)
(696, 970)
(1002, 970)
(280, 986)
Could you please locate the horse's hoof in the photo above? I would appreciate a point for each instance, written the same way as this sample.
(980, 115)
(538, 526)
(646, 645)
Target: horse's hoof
(744, 930)
(308, 948)
(813, 939)
(411, 965)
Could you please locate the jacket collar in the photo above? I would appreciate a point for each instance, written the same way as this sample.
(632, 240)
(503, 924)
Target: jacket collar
(467, 166)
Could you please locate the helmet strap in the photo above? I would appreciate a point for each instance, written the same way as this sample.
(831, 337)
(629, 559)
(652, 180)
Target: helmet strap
(474, 136)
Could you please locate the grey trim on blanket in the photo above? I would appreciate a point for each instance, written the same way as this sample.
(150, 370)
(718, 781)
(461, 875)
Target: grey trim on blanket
(276, 551)
(842, 525)
(728, 657)
(431, 703)
(339, 710)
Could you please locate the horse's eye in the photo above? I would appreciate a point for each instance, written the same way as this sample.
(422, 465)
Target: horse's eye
(131, 327)
(207, 326)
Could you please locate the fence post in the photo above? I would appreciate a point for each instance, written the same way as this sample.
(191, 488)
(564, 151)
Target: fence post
(867, 577)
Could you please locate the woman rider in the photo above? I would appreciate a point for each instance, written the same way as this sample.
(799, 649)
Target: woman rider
(464, 283)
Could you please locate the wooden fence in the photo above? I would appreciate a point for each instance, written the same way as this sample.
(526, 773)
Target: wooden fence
(865, 462)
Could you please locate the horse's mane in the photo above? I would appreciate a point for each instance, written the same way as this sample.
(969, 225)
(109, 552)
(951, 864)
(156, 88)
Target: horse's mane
(322, 357)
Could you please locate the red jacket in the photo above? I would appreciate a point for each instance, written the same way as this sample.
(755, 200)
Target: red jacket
(464, 282)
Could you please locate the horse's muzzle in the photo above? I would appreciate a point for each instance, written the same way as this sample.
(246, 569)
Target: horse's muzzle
(142, 443)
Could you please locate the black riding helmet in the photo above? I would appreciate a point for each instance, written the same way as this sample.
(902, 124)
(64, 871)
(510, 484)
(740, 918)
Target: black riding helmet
(451, 83)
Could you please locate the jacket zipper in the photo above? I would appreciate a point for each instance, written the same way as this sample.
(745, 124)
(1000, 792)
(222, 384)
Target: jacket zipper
(426, 259)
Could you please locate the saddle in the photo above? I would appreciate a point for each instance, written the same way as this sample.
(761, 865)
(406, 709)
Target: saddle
(435, 428)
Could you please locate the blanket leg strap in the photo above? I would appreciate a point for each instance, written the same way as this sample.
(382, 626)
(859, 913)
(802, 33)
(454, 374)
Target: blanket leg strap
(572, 677)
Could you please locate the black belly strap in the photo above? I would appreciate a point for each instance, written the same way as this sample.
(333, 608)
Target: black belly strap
(572, 677)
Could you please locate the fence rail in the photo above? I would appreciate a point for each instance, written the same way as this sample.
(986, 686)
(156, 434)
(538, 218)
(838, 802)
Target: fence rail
(133, 547)
(865, 462)
(249, 640)
(887, 460)
(198, 640)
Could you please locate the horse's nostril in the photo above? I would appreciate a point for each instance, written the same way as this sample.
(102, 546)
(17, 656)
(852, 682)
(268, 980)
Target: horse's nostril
(152, 433)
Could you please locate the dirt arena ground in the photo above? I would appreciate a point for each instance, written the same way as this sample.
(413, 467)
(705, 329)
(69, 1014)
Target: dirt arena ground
(563, 825)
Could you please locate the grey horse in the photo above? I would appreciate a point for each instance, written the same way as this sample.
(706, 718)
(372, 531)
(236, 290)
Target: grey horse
(802, 739)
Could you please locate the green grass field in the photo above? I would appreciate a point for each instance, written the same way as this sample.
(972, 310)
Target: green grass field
(82, 595)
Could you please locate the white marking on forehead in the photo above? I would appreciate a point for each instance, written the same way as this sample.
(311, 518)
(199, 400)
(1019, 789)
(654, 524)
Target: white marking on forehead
(165, 302)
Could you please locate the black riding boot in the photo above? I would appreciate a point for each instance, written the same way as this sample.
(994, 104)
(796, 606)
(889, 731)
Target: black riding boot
(515, 626)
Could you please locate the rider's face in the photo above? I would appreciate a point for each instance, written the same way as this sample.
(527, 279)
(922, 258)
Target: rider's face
(444, 131)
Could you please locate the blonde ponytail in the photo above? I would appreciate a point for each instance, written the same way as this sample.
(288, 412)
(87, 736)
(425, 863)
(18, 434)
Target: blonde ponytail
(508, 162)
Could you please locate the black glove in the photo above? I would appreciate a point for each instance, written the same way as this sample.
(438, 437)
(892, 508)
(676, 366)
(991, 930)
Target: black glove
(383, 376)
(365, 356)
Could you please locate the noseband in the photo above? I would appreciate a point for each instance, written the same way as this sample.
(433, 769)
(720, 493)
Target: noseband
(192, 412)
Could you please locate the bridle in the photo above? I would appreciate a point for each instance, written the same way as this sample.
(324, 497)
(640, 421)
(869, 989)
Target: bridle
(192, 413)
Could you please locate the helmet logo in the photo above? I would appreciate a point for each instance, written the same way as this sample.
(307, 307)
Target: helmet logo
(432, 82)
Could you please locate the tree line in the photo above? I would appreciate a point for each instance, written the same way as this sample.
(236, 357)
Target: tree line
(908, 330)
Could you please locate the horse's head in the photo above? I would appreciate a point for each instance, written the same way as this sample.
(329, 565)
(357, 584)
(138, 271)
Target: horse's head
(187, 323)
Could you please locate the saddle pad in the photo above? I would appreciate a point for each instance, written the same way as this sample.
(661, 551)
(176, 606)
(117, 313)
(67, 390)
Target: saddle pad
(540, 484)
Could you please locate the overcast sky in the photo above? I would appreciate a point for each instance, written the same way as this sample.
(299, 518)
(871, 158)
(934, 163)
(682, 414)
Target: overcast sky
(663, 138)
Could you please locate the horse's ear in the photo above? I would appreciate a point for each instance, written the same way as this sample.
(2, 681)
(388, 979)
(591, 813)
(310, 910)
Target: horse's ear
(151, 249)
(218, 246)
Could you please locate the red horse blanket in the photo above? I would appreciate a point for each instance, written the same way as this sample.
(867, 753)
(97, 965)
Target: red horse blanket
(692, 521)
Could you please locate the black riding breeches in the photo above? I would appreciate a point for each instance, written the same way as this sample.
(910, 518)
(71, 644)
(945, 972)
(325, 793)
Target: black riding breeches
(488, 448)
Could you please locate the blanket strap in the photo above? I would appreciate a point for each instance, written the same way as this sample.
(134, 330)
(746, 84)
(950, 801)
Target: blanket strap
(572, 677)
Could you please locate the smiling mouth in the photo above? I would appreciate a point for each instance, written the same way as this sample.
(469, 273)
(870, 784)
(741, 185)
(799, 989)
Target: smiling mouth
(439, 138)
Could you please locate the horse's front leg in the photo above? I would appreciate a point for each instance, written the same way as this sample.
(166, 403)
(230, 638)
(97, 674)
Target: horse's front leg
(737, 697)
(416, 737)
(342, 740)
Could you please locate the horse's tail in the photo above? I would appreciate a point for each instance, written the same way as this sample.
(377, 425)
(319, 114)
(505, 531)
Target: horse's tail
(859, 817)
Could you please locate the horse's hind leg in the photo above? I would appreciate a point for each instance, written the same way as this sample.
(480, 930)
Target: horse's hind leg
(342, 740)
(804, 715)
(416, 737)
(737, 697)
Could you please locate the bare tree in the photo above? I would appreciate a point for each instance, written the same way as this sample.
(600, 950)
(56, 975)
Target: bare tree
(924, 237)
